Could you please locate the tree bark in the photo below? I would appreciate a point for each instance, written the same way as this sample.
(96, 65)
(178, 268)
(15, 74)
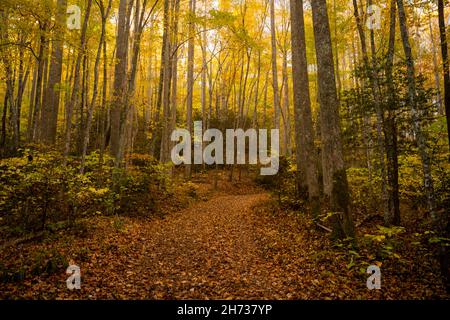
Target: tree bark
(390, 135)
(190, 79)
(276, 95)
(334, 172)
(120, 83)
(305, 151)
(164, 150)
(51, 108)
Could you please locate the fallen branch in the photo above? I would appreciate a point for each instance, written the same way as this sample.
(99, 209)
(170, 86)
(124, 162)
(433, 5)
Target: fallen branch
(323, 227)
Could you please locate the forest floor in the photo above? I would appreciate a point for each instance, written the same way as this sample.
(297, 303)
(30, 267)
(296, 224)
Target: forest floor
(230, 244)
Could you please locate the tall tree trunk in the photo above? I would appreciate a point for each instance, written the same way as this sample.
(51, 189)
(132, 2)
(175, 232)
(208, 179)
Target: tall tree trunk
(23, 79)
(10, 84)
(106, 113)
(304, 135)
(276, 95)
(174, 57)
(39, 82)
(118, 109)
(286, 109)
(258, 80)
(190, 78)
(334, 173)
(204, 71)
(4, 114)
(390, 135)
(165, 134)
(31, 104)
(444, 253)
(437, 81)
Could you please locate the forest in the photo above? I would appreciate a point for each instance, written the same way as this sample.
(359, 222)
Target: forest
(93, 205)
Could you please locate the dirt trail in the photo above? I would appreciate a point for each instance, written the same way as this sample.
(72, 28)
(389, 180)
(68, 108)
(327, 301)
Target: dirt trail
(208, 250)
(215, 249)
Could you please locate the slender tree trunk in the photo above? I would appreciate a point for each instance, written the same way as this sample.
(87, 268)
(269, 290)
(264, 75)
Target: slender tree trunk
(164, 150)
(390, 135)
(444, 253)
(23, 79)
(336, 50)
(276, 95)
(258, 80)
(204, 71)
(105, 113)
(437, 81)
(10, 84)
(39, 82)
(287, 113)
(190, 78)
(174, 55)
(4, 115)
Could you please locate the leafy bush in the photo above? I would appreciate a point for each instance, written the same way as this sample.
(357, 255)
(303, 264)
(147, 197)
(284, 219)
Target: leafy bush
(384, 242)
(36, 194)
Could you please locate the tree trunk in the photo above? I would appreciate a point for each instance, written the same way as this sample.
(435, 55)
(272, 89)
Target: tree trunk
(437, 81)
(390, 135)
(286, 112)
(334, 172)
(190, 78)
(174, 62)
(304, 135)
(51, 108)
(39, 80)
(165, 134)
(120, 83)
(276, 95)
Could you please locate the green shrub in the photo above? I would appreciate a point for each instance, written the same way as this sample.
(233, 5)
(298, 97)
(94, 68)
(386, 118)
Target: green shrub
(42, 193)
